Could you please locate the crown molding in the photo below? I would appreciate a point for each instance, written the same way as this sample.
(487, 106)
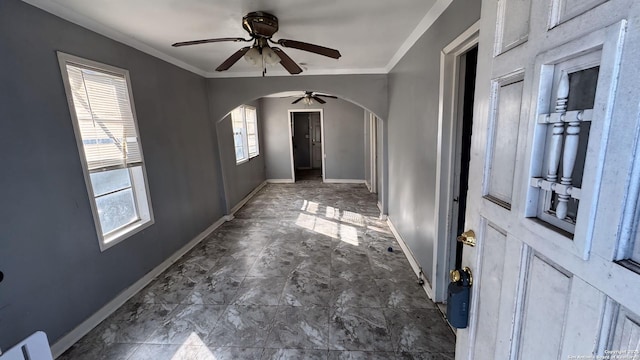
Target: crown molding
(87, 23)
(272, 73)
(432, 15)
(72, 16)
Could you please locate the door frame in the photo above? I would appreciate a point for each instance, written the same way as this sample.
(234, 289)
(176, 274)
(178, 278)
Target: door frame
(290, 120)
(449, 125)
(372, 119)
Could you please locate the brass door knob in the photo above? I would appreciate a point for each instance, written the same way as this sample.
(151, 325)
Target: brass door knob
(468, 238)
(455, 275)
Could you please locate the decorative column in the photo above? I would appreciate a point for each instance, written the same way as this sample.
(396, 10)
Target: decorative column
(568, 157)
(555, 146)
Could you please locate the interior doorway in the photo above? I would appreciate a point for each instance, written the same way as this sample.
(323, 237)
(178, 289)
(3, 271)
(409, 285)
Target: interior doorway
(457, 88)
(466, 89)
(307, 160)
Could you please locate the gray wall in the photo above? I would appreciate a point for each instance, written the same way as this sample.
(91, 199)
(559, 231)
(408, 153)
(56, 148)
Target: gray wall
(276, 139)
(368, 91)
(343, 138)
(55, 274)
(413, 130)
(239, 179)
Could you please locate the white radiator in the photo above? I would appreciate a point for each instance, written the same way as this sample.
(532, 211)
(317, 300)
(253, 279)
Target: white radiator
(35, 347)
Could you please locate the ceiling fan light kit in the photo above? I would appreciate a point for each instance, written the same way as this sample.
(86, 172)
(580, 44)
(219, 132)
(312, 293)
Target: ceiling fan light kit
(261, 26)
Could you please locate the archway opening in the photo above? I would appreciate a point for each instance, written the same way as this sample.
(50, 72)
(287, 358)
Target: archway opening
(337, 141)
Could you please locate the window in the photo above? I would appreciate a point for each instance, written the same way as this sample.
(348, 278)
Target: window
(564, 132)
(245, 133)
(104, 120)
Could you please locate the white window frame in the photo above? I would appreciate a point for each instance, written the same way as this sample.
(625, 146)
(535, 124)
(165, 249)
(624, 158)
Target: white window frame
(137, 174)
(243, 132)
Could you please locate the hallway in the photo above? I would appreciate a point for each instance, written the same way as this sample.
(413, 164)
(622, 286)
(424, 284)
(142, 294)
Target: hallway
(304, 271)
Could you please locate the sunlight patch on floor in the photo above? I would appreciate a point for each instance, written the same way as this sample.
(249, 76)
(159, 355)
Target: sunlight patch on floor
(193, 348)
(310, 206)
(332, 213)
(346, 233)
(352, 218)
(378, 229)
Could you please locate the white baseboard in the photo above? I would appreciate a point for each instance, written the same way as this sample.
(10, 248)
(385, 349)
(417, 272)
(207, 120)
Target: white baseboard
(246, 199)
(412, 259)
(280, 181)
(368, 185)
(344, 181)
(81, 330)
(379, 206)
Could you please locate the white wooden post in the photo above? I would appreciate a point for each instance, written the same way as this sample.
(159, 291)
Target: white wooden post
(570, 146)
(555, 146)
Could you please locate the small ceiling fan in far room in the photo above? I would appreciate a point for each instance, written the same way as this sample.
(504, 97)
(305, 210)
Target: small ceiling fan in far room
(261, 26)
(309, 96)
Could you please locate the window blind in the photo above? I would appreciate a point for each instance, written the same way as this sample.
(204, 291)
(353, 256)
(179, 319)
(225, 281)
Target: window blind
(237, 123)
(105, 119)
(252, 131)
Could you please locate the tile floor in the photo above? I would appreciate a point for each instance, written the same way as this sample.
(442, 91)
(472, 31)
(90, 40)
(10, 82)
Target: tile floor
(304, 271)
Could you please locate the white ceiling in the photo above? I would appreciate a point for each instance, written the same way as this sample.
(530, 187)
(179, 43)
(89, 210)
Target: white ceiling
(372, 35)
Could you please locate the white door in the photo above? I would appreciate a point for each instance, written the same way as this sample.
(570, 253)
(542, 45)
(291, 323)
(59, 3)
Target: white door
(554, 184)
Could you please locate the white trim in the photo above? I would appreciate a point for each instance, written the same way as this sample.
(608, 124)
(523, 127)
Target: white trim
(345, 181)
(323, 153)
(467, 40)
(373, 152)
(379, 205)
(412, 259)
(281, 181)
(290, 140)
(432, 15)
(448, 136)
(290, 121)
(246, 199)
(87, 23)
(308, 72)
(366, 134)
(70, 15)
(81, 330)
(139, 180)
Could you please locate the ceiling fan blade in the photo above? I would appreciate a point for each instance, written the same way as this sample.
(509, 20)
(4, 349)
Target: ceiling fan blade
(318, 100)
(205, 41)
(297, 101)
(232, 59)
(287, 62)
(327, 96)
(321, 50)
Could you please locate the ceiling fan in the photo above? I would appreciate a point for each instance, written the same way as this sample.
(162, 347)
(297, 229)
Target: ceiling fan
(261, 26)
(310, 95)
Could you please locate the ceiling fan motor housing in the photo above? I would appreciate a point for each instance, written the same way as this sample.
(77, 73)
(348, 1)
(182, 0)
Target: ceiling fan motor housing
(260, 24)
